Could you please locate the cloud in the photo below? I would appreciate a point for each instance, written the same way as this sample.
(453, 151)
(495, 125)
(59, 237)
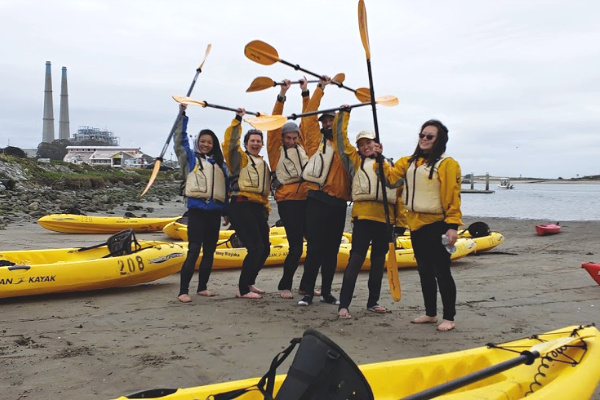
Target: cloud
(516, 82)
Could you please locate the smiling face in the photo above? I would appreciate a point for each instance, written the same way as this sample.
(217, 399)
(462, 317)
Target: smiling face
(427, 138)
(205, 144)
(327, 122)
(254, 144)
(290, 139)
(365, 147)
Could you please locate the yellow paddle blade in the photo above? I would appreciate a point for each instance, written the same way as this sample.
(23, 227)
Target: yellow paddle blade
(261, 52)
(188, 100)
(205, 55)
(554, 344)
(362, 26)
(152, 177)
(339, 78)
(267, 122)
(392, 273)
(260, 83)
(363, 95)
(387, 100)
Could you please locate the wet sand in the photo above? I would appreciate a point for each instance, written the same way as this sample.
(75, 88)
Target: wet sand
(104, 344)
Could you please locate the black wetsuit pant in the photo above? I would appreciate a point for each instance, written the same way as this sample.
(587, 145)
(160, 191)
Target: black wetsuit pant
(324, 228)
(203, 234)
(434, 269)
(293, 216)
(365, 233)
(251, 225)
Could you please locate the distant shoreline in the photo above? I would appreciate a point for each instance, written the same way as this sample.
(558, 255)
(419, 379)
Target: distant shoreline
(552, 181)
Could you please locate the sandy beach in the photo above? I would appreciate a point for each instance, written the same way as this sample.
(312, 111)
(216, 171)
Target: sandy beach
(104, 344)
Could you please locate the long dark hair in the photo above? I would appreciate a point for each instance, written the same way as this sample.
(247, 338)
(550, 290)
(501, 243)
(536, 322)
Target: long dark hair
(439, 146)
(216, 151)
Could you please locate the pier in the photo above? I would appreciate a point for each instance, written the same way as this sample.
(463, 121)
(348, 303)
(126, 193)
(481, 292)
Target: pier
(472, 182)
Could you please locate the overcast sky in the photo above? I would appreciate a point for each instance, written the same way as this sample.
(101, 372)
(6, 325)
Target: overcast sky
(516, 82)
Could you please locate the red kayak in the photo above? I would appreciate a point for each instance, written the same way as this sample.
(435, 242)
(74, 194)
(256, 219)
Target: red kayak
(547, 229)
(593, 269)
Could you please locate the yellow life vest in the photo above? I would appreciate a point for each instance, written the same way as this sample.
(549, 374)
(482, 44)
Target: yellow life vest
(290, 165)
(255, 177)
(206, 181)
(318, 165)
(366, 185)
(422, 189)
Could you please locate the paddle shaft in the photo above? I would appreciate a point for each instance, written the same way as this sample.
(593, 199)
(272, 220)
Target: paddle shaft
(179, 116)
(228, 108)
(306, 114)
(526, 357)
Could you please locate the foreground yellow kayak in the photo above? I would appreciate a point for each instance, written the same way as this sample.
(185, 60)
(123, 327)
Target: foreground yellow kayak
(73, 223)
(563, 364)
(31, 272)
(405, 257)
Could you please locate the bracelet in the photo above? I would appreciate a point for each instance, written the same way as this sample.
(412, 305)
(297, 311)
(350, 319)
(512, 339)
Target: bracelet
(305, 93)
(281, 98)
(320, 86)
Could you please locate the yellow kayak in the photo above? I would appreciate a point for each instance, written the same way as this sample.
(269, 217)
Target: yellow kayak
(74, 223)
(564, 365)
(232, 258)
(178, 230)
(31, 272)
(405, 257)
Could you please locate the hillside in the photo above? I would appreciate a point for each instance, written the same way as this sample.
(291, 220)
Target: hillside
(30, 190)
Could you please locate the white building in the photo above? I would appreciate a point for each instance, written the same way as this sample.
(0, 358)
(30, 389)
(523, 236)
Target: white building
(113, 156)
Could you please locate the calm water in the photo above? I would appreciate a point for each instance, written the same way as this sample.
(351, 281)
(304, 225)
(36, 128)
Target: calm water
(541, 201)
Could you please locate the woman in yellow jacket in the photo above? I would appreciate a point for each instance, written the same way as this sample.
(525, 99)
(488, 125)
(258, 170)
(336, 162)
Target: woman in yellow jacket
(369, 225)
(249, 203)
(431, 196)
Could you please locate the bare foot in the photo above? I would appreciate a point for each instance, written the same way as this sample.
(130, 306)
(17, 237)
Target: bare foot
(424, 319)
(206, 293)
(446, 326)
(286, 294)
(256, 290)
(344, 313)
(249, 295)
(184, 298)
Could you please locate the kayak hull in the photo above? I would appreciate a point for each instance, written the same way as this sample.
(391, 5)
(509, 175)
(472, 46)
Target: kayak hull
(593, 269)
(73, 223)
(569, 372)
(35, 272)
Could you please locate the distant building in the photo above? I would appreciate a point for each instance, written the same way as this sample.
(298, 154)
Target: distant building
(112, 156)
(89, 133)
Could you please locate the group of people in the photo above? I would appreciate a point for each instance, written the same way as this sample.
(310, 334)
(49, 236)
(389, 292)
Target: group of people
(314, 171)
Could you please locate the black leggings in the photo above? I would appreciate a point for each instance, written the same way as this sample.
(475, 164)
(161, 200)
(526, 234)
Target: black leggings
(293, 216)
(203, 233)
(365, 233)
(250, 221)
(324, 228)
(434, 269)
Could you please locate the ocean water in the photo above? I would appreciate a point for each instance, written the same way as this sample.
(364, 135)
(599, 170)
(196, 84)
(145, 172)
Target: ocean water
(547, 202)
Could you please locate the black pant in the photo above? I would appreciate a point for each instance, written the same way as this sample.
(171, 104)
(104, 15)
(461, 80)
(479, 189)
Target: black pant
(250, 220)
(324, 228)
(203, 233)
(365, 233)
(434, 269)
(293, 216)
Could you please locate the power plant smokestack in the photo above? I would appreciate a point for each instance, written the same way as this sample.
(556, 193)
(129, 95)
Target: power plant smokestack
(48, 127)
(63, 122)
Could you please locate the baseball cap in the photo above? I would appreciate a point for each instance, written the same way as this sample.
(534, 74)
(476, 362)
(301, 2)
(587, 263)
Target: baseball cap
(365, 135)
(327, 114)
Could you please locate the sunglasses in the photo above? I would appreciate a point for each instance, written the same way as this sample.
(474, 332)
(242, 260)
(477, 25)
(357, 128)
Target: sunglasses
(428, 136)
